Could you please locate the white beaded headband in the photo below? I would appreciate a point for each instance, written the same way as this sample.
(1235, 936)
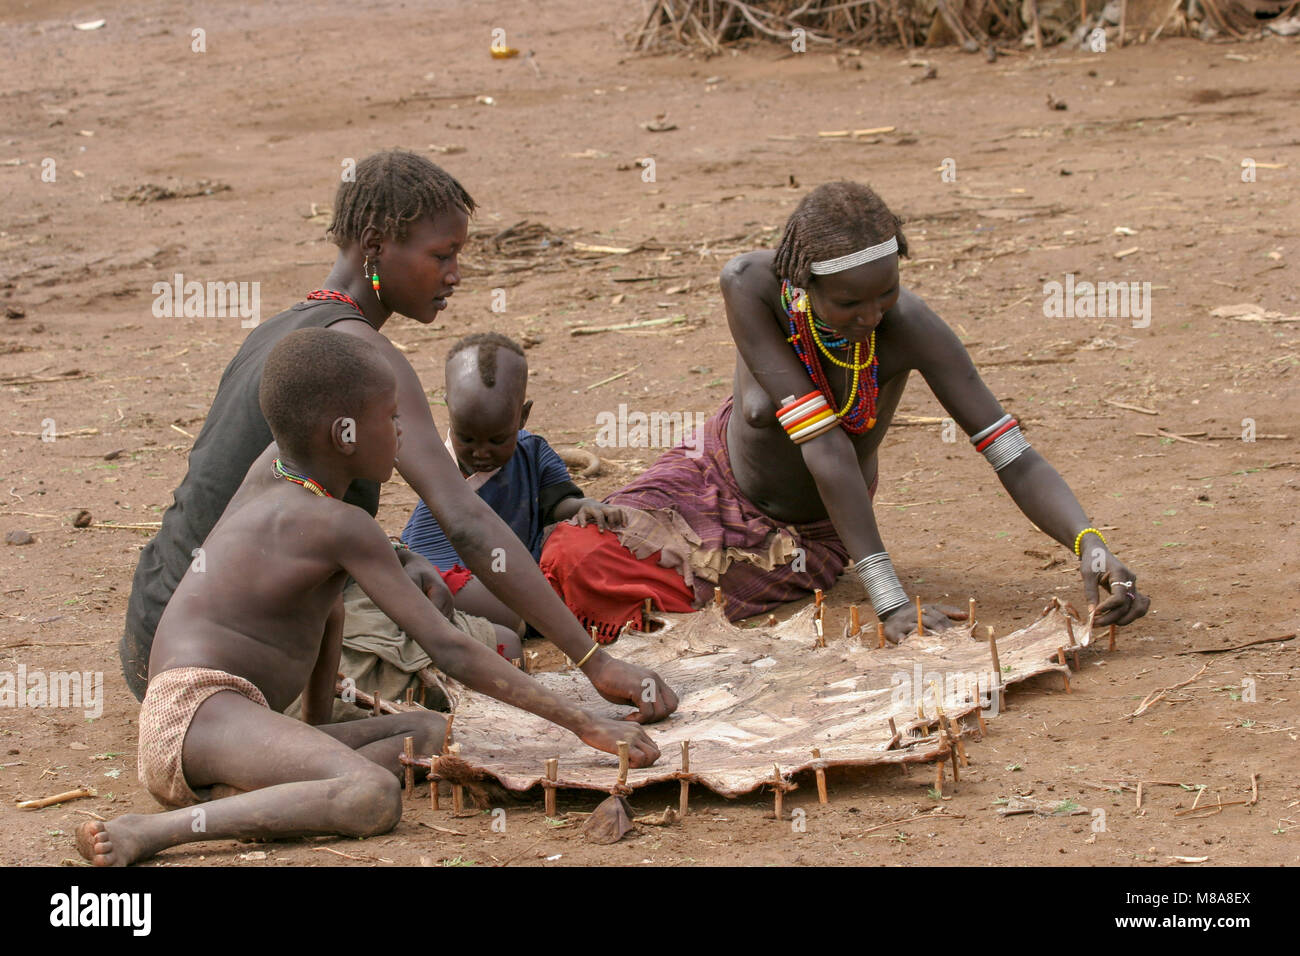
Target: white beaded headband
(869, 254)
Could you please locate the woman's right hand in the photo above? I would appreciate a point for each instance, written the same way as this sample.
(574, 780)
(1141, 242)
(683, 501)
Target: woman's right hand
(901, 623)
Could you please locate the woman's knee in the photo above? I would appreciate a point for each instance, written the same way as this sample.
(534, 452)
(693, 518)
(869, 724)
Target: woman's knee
(508, 642)
(368, 802)
(426, 727)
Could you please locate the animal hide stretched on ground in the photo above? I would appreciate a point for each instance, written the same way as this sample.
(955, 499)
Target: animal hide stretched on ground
(753, 697)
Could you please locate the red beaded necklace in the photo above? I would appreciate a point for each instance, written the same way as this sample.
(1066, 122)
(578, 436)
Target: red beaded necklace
(337, 297)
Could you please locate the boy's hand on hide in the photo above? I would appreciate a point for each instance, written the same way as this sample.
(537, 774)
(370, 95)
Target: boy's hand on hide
(605, 734)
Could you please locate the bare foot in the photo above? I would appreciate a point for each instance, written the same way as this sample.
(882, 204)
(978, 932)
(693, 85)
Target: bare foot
(108, 844)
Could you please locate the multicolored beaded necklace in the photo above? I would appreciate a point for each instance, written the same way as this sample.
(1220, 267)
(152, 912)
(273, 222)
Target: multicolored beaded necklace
(808, 336)
(312, 486)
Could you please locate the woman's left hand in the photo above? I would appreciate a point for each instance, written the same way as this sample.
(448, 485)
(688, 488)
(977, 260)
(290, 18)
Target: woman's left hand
(1125, 604)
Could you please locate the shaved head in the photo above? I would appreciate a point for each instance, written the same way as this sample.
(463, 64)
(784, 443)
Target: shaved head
(486, 387)
(487, 362)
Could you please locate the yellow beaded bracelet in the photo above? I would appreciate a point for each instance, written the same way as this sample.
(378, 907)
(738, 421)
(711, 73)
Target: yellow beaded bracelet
(1079, 539)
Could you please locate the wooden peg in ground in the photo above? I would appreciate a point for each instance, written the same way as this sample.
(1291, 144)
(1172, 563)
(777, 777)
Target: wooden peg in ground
(624, 758)
(1074, 644)
(854, 625)
(685, 795)
(961, 747)
(997, 669)
(409, 698)
(820, 771)
(552, 774)
(778, 789)
(408, 748)
(946, 729)
(717, 598)
(1065, 674)
(984, 728)
(880, 634)
(938, 777)
(433, 783)
(920, 625)
(457, 791)
(970, 614)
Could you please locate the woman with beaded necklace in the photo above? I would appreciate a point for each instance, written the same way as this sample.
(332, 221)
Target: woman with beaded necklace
(779, 502)
(400, 224)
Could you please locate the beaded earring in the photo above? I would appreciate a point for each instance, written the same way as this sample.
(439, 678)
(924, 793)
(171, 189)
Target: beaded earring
(372, 276)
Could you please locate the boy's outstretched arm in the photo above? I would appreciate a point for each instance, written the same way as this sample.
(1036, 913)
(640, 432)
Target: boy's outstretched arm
(365, 553)
(493, 552)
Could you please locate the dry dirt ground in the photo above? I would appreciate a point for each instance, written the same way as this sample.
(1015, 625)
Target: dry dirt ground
(1139, 179)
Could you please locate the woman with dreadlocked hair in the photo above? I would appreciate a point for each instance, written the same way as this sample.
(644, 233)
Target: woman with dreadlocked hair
(399, 225)
(775, 501)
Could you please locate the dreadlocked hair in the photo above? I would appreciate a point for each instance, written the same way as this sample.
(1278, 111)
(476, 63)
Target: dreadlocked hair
(390, 191)
(833, 220)
(487, 344)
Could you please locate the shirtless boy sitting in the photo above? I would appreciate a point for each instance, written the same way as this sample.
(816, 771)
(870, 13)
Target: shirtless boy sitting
(241, 639)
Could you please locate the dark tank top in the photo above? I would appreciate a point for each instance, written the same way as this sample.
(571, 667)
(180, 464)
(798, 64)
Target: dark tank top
(233, 435)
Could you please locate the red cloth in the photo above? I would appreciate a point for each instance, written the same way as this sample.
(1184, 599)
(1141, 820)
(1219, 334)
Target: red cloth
(456, 578)
(603, 584)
